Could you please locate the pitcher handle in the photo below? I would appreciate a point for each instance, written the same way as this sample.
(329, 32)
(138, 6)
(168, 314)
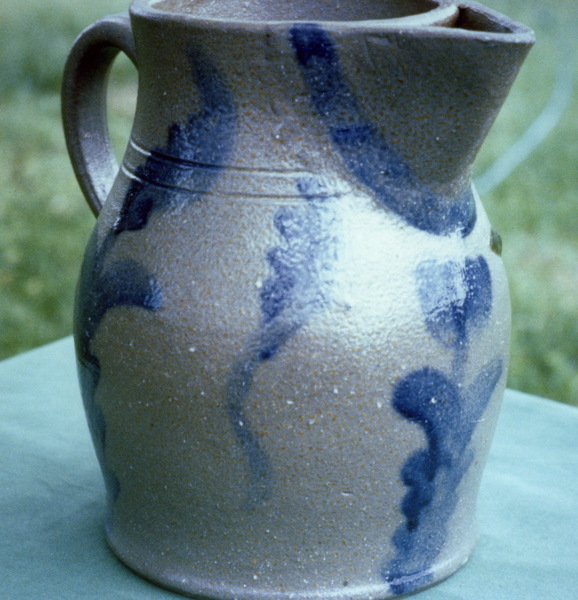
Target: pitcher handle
(84, 112)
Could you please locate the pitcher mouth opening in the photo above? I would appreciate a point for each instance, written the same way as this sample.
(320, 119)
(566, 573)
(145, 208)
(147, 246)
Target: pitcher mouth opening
(466, 17)
(406, 12)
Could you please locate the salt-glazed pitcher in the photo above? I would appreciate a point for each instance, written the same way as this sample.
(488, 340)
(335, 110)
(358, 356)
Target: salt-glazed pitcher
(292, 321)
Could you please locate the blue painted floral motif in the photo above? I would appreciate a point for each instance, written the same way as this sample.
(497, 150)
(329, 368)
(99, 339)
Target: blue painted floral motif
(297, 289)
(454, 298)
(365, 152)
(191, 153)
(102, 287)
(196, 152)
(448, 417)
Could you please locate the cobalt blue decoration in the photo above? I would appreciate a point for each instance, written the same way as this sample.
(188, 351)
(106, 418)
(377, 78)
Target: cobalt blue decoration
(204, 141)
(448, 418)
(102, 287)
(297, 289)
(194, 153)
(365, 152)
(455, 297)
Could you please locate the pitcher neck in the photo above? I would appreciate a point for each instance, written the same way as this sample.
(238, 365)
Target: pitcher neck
(293, 98)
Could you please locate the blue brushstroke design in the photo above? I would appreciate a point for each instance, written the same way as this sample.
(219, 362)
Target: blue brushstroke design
(121, 283)
(197, 151)
(455, 297)
(365, 152)
(297, 289)
(448, 418)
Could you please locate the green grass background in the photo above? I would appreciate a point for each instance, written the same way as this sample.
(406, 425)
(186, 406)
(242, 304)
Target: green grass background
(44, 222)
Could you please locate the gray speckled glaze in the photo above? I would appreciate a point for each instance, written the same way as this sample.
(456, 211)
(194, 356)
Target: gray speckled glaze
(292, 321)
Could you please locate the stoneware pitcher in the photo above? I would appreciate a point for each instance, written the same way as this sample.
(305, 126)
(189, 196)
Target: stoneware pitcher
(292, 322)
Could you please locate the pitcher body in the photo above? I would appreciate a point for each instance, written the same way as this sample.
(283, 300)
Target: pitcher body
(292, 321)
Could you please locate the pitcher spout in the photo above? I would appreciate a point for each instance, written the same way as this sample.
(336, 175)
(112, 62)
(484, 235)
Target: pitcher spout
(444, 87)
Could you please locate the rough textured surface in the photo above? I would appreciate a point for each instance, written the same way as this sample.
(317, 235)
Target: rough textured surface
(292, 328)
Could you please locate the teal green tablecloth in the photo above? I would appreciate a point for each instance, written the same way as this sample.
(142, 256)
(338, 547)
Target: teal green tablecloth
(51, 498)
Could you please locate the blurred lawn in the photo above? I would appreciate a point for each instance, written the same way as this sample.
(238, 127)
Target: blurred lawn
(44, 222)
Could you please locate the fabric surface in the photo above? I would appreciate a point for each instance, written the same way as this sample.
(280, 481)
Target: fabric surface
(52, 498)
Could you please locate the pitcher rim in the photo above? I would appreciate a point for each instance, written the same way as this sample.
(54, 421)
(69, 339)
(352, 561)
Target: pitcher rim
(440, 19)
